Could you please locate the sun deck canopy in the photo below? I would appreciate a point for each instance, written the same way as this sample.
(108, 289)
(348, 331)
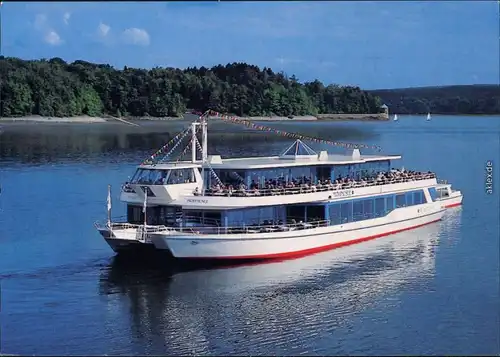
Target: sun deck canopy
(170, 165)
(297, 154)
(298, 150)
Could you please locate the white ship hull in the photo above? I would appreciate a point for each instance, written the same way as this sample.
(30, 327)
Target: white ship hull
(294, 243)
(454, 200)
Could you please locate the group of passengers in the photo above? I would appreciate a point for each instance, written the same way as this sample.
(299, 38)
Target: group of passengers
(386, 177)
(281, 186)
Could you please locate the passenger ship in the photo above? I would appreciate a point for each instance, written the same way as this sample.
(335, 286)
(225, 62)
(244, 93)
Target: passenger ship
(294, 204)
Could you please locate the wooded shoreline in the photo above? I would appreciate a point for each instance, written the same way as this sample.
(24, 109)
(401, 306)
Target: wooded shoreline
(103, 120)
(54, 88)
(51, 90)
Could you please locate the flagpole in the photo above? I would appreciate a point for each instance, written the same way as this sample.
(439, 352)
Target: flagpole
(145, 206)
(109, 206)
(1, 53)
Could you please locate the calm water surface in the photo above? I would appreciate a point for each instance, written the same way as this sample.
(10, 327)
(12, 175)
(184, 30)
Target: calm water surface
(433, 290)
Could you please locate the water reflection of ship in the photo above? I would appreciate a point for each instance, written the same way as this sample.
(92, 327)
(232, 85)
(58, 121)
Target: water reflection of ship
(193, 307)
(451, 224)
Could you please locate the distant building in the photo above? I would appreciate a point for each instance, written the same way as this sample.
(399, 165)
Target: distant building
(384, 109)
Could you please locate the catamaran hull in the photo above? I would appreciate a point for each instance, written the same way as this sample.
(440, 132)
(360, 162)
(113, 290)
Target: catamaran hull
(125, 240)
(294, 243)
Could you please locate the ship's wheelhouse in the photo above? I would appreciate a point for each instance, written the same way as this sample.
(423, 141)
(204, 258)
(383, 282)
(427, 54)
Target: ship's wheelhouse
(164, 176)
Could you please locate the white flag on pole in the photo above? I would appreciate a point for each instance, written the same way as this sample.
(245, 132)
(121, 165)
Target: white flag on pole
(109, 200)
(145, 201)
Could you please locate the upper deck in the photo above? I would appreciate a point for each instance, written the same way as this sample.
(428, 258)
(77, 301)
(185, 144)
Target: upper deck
(169, 165)
(296, 155)
(298, 167)
(324, 158)
(264, 162)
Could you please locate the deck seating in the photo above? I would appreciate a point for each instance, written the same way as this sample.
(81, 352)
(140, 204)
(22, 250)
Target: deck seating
(278, 187)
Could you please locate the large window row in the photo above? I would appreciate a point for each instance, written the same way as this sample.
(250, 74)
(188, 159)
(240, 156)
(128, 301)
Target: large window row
(159, 177)
(357, 171)
(286, 174)
(158, 215)
(369, 208)
(313, 173)
(254, 215)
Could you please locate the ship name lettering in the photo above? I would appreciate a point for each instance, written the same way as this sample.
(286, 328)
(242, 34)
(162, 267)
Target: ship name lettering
(190, 200)
(343, 193)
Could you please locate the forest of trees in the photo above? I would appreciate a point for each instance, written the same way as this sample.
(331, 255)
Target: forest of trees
(463, 99)
(56, 88)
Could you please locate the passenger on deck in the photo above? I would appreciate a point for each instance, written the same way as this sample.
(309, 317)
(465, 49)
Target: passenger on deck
(281, 186)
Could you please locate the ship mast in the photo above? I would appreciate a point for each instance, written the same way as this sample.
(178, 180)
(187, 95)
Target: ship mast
(193, 142)
(204, 146)
(204, 138)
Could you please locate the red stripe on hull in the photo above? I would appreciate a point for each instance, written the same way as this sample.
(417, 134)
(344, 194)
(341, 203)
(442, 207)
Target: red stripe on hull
(453, 205)
(301, 253)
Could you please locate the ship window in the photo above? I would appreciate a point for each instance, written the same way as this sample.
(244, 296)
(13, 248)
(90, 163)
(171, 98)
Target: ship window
(179, 176)
(361, 209)
(433, 193)
(442, 192)
(324, 172)
(409, 198)
(368, 208)
(214, 217)
(134, 214)
(389, 203)
(400, 200)
(418, 197)
(149, 177)
(357, 211)
(346, 212)
(232, 177)
(334, 211)
(379, 207)
(140, 176)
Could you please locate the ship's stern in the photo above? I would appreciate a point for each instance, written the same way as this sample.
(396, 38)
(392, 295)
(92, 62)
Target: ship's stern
(124, 238)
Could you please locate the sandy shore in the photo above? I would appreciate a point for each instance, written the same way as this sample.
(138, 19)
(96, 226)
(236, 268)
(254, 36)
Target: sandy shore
(189, 117)
(40, 119)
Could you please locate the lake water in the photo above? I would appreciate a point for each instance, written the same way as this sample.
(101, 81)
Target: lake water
(433, 290)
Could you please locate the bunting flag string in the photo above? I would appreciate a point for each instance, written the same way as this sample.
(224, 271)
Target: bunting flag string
(283, 133)
(162, 151)
(179, 158)
(153, 158)
(176, 145)
(212, 172)
(188, 145)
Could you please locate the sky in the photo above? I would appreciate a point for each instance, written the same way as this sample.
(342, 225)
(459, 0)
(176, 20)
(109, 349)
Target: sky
(385, 44)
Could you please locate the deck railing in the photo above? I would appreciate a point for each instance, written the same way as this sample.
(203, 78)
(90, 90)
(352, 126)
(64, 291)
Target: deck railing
(124, 225)
(256, 228)
(310, 189)
(202, 230)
